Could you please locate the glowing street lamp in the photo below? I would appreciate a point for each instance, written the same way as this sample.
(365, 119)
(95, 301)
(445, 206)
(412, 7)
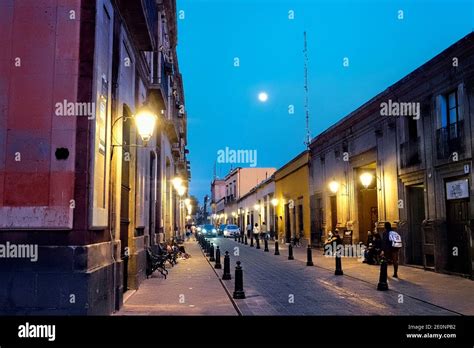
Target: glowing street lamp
(366, 179)
(256, 206)
(274, 202)
(145, 120)
(334, 186)
(181, 190)
(187, 201)
(177, 182)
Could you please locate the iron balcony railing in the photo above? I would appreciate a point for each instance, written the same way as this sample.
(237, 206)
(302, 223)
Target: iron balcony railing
(450, 140)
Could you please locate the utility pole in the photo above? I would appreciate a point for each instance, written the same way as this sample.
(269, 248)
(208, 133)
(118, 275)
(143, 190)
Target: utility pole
(306, 103)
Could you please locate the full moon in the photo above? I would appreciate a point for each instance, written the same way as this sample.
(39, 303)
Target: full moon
(263, 97)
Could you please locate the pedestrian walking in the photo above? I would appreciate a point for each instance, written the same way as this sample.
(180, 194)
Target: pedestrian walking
(256, 231)
(249, 230)
(391, 245)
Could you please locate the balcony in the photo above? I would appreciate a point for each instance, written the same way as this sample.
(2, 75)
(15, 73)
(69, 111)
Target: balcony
(450, 139)
(410, 153)
(141, 17)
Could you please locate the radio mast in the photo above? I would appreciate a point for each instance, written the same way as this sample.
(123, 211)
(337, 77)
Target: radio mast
(306, 103)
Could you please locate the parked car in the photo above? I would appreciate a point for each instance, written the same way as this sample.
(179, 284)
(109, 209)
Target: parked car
(231, 231)
(220, 230)
(209, 231)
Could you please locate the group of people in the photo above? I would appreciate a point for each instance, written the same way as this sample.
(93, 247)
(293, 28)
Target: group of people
(385, 248)
(258, 232)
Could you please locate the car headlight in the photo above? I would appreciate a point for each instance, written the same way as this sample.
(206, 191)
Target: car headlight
(203, 231)
(214, 230)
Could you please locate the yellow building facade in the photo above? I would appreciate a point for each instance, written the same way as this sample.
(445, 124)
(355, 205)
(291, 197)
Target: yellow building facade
(292, 204)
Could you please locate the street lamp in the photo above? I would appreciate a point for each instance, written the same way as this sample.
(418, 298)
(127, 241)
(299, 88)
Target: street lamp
(334, 186)
(256, 207)
(181, 190)
(177, 182)
(274, 202)
(145, 120)
(366, 179)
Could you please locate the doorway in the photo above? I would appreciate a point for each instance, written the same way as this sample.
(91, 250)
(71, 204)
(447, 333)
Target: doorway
(333, 202)
(287, 223)
(367, 200)
(457, 218)
(125, 196)
(300, 231)
(416, 215)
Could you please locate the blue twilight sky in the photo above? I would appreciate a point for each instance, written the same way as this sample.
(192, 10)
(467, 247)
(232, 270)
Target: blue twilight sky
(222, 100)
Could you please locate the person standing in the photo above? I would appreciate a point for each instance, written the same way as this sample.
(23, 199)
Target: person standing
(256, 231)
(249, 230)
(391, 245)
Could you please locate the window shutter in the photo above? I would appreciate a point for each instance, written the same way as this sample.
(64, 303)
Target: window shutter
(438, 111)
(461, 101)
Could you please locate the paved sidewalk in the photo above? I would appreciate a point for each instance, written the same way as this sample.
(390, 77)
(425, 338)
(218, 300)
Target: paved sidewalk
(192, 288)
(448, 291)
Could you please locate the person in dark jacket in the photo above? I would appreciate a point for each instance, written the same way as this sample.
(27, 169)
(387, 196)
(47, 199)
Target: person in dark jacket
(388, 252)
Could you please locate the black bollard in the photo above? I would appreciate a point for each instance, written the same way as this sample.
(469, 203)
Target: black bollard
(290, 252)
(383, 285)
(235, 237)
(226, 275)
(218, 258)
(257, 240)
(211, 252)
(309, 253)
(245, 238)
(266, 246)
(277, 250)
(338, 270)
(251, 241)
(208, 248)
(239, 282)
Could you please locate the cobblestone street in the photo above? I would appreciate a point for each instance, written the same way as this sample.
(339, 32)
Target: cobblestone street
(275, 285)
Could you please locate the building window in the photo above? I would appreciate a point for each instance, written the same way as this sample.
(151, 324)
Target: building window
(449, 135)
(410, 149)
(450, 113)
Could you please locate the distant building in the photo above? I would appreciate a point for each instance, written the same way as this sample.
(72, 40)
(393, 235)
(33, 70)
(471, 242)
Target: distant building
(237, 183)
(218, 195)
(256, 206)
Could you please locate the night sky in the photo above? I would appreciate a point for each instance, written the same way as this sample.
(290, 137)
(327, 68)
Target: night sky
(222, 100)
